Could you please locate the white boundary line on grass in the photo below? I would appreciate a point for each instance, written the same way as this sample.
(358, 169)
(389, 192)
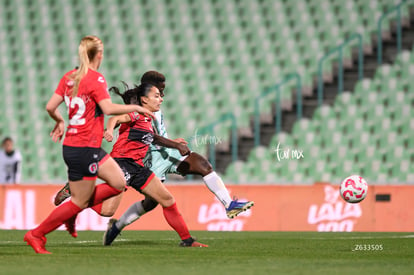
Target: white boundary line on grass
(2, 242)
(69, 242)
(362, 238)
(95, 241)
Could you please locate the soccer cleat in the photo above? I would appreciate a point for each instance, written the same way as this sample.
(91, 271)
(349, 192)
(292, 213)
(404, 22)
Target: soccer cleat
(62, 195)
(71, 226)
(236, 207)
(191, 242)
(111, 232)
(44, 240)
(38, 244)
(197, 244)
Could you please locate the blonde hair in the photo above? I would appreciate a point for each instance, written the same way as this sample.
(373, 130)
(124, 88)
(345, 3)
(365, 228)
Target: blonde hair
(88, 48)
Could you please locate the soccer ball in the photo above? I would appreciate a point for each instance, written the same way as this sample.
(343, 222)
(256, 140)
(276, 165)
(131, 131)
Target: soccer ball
(353, 189)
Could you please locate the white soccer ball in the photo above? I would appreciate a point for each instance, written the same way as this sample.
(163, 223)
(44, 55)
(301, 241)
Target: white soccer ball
(353, 189)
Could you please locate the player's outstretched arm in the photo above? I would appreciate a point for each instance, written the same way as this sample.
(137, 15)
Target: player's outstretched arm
(114, 122)
(110, 108)
(165, 142)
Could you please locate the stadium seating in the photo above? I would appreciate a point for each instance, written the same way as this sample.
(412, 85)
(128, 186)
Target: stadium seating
(217, 56)
(366, 132)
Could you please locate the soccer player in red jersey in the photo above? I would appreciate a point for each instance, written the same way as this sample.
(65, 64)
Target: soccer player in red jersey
(135, 135)
(85, 93)
(163, 161)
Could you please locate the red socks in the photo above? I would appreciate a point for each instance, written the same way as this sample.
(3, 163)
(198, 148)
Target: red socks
(67, 210)
(97, 208)
(176, 221)
(56, 218)
(102, 192)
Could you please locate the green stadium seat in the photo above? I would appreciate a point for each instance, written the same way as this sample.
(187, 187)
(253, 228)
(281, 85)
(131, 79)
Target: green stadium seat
(233, 50)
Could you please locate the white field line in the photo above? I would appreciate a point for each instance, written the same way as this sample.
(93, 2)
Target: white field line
(2, 242)
(363, 238)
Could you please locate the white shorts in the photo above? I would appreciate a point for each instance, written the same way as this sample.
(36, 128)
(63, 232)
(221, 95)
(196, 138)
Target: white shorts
(163, 161)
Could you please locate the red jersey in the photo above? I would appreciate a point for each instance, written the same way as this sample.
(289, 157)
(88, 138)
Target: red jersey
(134, 138)
(86, 119)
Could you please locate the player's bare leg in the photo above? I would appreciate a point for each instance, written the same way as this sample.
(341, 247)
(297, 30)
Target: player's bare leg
(109, 206)
(115, 182)
(198, 165)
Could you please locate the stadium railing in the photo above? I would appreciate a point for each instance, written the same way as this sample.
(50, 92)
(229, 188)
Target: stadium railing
(210, 130)
(397, 9)
(278, 117)
(339, 49)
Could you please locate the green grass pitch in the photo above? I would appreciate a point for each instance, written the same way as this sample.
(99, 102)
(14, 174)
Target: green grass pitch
(157, 252)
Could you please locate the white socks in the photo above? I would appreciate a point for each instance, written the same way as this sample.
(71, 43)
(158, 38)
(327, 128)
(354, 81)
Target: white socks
(216, 185)
(132, 214)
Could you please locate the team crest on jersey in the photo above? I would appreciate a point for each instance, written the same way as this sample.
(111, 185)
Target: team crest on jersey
(135, 115)
(70, 83)
(93, 167)
(148, 138)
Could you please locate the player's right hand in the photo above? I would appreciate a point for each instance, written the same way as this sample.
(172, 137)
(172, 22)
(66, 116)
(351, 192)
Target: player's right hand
(58, 131)
(108, 135)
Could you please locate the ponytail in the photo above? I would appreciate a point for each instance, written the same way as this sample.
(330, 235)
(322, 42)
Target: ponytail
(133, 95)
(88, 48)
(116, 91)
(128, 95)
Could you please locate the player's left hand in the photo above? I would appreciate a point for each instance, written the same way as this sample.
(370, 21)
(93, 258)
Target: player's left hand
(184, 150)
(145, 112)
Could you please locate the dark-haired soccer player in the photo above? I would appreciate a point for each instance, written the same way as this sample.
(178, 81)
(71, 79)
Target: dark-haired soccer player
(135, 135)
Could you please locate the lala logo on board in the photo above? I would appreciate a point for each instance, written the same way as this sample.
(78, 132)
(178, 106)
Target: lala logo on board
(214, 217)
(334, 214)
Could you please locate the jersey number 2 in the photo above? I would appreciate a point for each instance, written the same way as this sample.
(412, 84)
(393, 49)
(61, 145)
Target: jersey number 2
(77, 117)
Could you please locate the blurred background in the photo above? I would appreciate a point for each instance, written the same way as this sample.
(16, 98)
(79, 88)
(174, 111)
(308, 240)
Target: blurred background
(331, 79)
